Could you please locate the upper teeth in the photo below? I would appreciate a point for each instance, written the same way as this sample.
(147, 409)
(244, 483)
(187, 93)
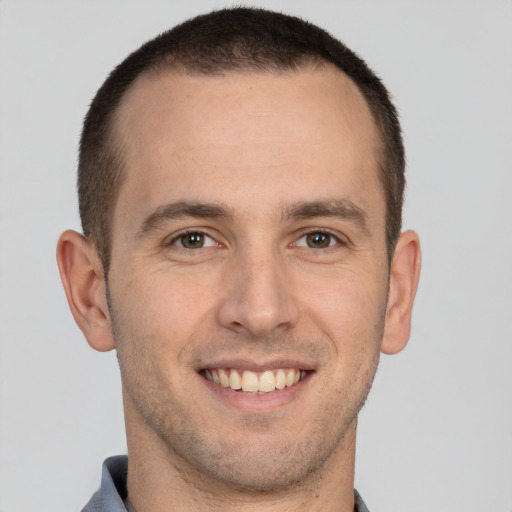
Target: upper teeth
(246, 380)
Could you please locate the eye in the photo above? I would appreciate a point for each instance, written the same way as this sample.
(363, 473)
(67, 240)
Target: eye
(317, 240)
(194, 240)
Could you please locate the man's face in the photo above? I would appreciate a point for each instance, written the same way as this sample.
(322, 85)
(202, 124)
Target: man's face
(248, 237)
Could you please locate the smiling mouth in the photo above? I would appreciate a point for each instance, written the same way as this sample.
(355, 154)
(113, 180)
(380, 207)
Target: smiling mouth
(254, 382)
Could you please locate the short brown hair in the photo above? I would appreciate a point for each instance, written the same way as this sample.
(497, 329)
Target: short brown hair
(234, 39)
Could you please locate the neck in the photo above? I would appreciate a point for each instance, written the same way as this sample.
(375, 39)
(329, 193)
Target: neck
(161, 481)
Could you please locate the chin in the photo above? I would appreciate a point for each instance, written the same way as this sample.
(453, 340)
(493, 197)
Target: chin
(258, 462)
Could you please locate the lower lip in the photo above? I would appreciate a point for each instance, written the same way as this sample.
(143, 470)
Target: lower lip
(250, 402)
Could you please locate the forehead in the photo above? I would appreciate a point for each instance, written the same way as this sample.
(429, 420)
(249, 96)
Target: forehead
(180, 101)
(293, 133)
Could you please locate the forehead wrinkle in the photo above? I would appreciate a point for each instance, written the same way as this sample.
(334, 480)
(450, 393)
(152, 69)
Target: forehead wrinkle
(336, 207)
(180, 210)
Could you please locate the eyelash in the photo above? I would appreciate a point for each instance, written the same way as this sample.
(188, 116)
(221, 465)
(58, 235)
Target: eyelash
(177, 236)
(337, 240)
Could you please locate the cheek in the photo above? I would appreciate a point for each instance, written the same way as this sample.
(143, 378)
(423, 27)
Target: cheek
(164, 310)
(351, 312)
(155, 321)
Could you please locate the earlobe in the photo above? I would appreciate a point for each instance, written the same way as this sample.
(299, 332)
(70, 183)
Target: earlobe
(82, 276)
(404, 277)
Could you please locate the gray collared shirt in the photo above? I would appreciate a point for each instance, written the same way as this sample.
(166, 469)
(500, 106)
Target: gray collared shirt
(111, 495)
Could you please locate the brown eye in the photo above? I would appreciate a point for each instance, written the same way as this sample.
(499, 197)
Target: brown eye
(318, 240)
(191, 240)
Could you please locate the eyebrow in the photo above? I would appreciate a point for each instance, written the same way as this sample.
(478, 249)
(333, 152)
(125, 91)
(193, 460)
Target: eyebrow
(181, 210)
(339, 208)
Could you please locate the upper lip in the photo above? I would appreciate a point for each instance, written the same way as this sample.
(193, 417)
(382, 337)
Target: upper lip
(258, 365)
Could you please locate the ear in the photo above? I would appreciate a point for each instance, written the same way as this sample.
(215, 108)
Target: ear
(81, 272)
(403, 283)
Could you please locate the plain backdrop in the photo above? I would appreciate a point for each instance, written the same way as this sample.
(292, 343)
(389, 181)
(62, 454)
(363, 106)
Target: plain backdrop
(436, 433)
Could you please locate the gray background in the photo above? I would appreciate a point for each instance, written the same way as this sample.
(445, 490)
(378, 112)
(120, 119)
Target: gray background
(436, 433)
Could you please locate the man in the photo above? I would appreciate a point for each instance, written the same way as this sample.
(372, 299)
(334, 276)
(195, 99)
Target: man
(240, 187)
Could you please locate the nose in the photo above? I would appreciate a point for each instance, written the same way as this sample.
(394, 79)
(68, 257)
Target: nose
(258, 299)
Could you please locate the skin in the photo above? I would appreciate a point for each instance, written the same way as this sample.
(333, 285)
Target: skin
(256, 148)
